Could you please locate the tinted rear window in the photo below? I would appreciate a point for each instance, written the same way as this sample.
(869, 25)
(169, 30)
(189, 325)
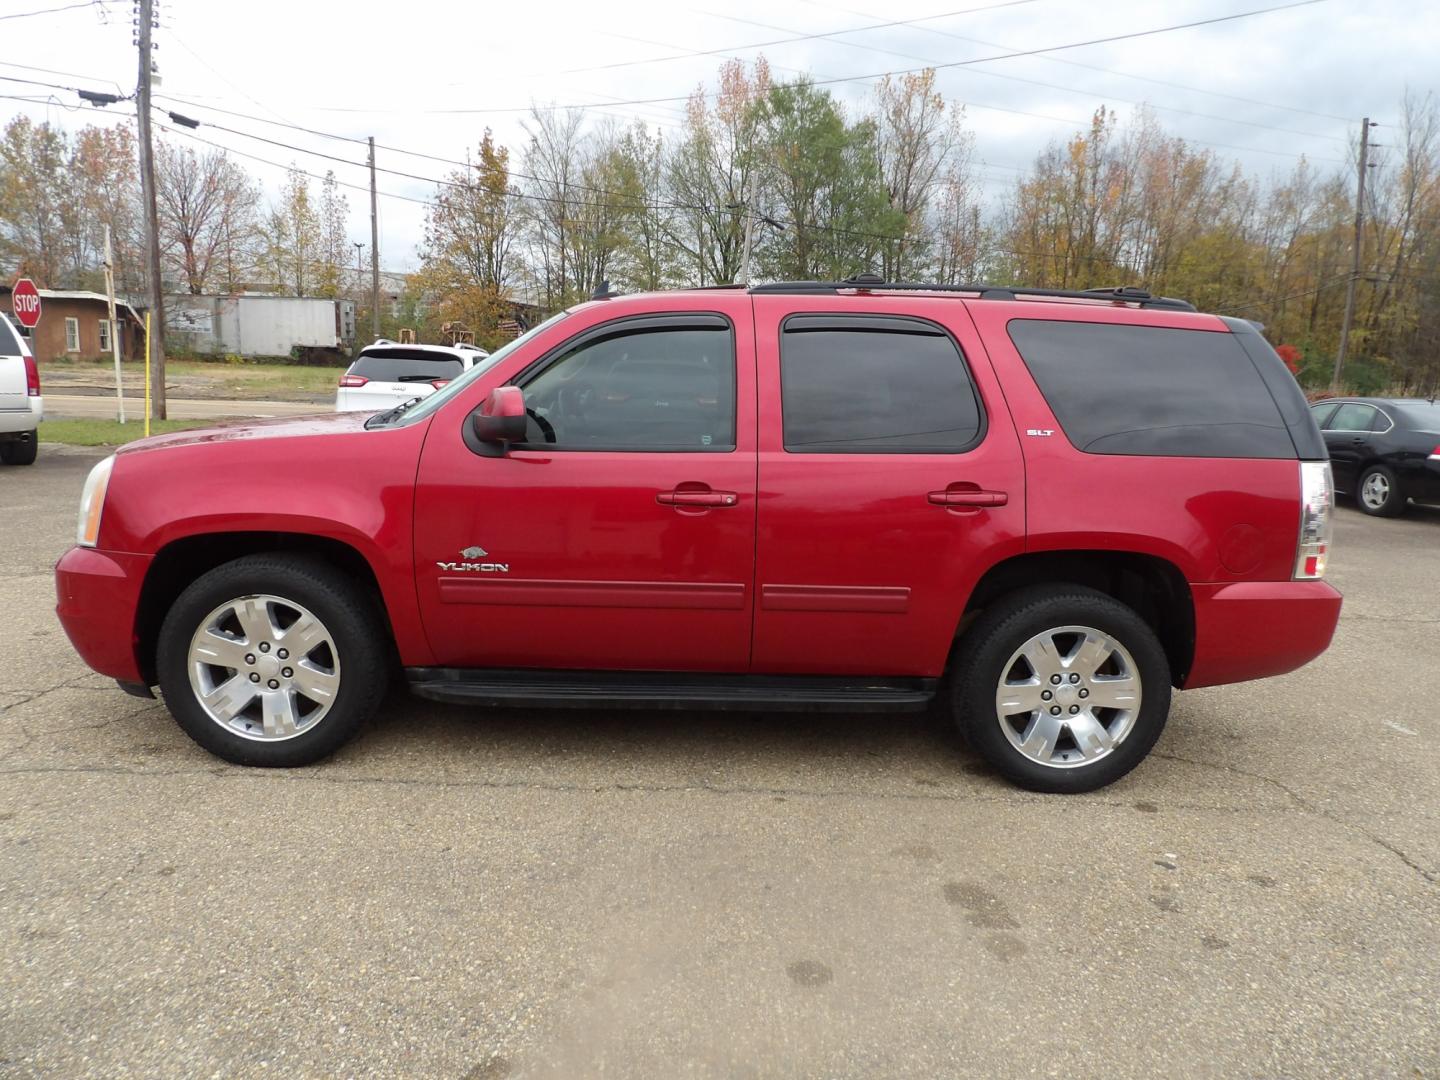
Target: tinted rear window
(1421, 416)
(871, 385)
(404, 365)
(9, 343)
(1152, 391)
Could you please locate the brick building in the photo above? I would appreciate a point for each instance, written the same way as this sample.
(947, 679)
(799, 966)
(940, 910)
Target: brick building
(76, 323)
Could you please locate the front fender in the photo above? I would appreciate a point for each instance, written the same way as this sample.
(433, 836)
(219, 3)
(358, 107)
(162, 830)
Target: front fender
(353, 487)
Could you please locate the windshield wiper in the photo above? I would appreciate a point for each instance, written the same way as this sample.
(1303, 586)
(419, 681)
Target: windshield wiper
(383, 418)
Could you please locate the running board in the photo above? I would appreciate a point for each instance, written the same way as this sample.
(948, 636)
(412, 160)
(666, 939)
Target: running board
(666, 690)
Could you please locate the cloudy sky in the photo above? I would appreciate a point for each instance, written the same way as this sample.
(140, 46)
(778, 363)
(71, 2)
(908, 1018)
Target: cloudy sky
(430, 75)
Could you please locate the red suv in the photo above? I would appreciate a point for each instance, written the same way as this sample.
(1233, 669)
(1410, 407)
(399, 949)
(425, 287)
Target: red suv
(1038, 510)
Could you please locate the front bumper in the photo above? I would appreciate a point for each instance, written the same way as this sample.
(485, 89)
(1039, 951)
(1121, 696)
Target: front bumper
(98, 594)
(1255, 629)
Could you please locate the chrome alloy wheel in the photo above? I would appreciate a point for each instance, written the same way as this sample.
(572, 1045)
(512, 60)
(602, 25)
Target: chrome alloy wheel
(264, 668)
(1068, 696)
(1376, 490)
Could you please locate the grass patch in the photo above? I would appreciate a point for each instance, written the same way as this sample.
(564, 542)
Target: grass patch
(110, 432)
(247, 380)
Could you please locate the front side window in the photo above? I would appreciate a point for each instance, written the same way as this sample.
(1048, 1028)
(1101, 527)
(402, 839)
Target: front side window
(874, 385)
(72, 335)
(1321, 412)
(667, 387)
(1352, 416)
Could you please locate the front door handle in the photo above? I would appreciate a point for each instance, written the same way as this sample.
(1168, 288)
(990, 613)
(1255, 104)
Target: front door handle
(970, 497)
(705, 499)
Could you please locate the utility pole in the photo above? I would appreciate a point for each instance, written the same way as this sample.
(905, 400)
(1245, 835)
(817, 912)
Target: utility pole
(374, 250)
(114, 329)
(1365, 126)
(145, 10)
(749, 228)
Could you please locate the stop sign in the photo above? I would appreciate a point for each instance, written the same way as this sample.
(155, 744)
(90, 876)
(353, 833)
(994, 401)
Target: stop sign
(25, 302)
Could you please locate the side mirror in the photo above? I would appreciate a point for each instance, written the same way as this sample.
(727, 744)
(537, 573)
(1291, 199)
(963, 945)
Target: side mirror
(500, 420)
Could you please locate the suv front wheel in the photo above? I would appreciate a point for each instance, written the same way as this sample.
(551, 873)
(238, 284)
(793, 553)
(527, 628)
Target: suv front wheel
(1062, 689)
(272, 660)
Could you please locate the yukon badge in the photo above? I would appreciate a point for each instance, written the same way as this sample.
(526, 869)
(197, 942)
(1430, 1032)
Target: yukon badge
(469, 566)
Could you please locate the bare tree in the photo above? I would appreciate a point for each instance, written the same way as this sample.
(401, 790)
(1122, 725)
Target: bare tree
(206, 205)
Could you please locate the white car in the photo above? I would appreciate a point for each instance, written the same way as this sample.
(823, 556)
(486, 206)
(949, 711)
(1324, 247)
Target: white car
(21, 406)
(386, 373)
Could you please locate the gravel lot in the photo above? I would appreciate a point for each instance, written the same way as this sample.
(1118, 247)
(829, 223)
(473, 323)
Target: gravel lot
(530, 894)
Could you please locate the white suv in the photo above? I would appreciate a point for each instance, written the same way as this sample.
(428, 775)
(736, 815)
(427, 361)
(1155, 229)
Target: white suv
(387, 374)
(21, 406)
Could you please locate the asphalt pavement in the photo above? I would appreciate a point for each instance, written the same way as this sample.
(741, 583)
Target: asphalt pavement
(575, 894)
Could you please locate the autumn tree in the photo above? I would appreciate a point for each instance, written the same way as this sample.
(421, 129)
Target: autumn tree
(471, 228)
(292, 235)
(333, 247)
(821, 183)
(711, 173)
(34, 193)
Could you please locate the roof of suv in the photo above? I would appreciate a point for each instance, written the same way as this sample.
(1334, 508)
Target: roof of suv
(462, 352)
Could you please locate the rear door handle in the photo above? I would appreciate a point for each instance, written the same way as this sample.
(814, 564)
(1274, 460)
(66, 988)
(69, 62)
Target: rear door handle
(969, 498)
(697, 498)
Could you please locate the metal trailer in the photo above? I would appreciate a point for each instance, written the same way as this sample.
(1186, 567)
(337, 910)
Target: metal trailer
(255, 326)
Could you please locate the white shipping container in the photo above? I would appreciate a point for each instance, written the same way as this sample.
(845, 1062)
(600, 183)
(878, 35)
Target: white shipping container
(259, 325)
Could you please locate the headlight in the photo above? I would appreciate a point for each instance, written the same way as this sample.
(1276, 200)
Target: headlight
(92, 503)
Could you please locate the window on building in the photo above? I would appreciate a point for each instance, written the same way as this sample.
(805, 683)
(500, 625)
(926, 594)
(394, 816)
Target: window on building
(105, 335)
(72, 335)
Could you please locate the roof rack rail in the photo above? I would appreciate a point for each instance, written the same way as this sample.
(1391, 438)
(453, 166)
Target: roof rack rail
(1124, 294)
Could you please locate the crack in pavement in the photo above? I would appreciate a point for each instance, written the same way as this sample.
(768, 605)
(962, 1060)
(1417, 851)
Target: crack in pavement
(1017, 798)
(1304, 804)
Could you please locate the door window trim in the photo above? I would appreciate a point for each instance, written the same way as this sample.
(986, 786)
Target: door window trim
(669, 320)
(881, 322)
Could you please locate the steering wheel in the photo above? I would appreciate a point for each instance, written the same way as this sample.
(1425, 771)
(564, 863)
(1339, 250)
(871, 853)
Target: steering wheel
(547, 429)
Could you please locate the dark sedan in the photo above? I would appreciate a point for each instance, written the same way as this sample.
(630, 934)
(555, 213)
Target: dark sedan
(1383, 451)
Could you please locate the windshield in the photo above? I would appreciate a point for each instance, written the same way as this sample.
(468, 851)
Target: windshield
(440, 397)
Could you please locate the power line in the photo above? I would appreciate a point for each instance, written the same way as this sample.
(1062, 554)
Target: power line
(881, 74)
(51, 11)
(52, 71)
(1076, 63)
(1065, 89)
(730, 50)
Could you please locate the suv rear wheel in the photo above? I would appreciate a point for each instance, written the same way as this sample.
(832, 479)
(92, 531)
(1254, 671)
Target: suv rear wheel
(272, 660)
(19, 451)
(1062, 689)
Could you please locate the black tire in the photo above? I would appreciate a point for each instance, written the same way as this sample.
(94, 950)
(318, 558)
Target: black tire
(20, 452)
(986, 649)
(346, 611)
(1395, 502)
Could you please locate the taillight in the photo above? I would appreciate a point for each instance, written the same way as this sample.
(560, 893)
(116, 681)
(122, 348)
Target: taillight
(353, 380)
(1317, 503)
(1435, 454)
(32, 377)
(438, 383)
